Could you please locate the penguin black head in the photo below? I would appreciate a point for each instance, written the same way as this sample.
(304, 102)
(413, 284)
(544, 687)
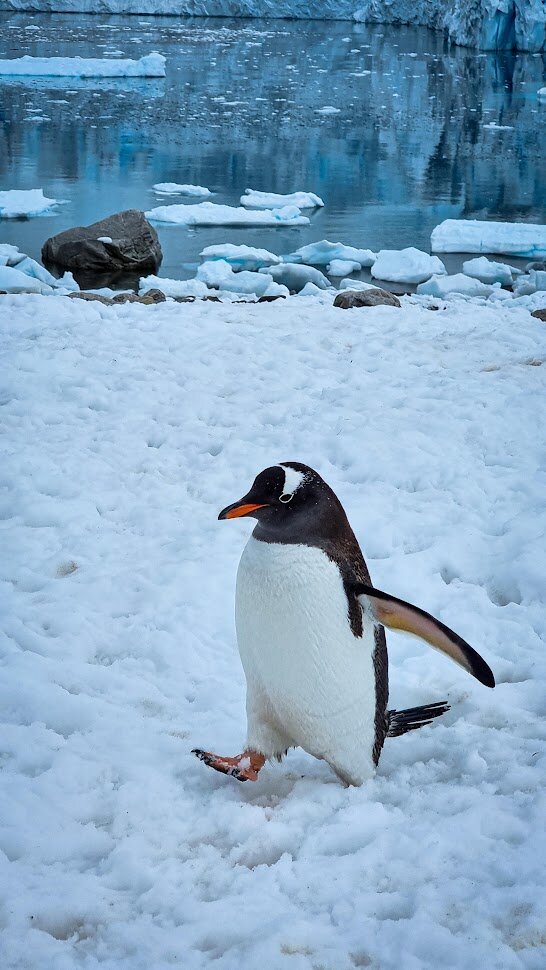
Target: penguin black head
(289, 499)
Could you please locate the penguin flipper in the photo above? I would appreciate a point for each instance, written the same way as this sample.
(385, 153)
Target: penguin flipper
(396, 614)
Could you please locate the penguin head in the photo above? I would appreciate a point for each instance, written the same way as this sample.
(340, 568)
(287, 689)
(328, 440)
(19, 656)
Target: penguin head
(282, 496)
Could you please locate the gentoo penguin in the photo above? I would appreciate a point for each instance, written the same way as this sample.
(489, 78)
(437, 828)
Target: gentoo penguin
(310, 630)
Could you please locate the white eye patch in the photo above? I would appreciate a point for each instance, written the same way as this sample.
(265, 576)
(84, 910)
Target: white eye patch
(292, 481)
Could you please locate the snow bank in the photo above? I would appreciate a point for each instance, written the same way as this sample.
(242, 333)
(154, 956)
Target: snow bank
(323, 252)
(173, 188)
(489, 24)
(25, 203)
(152, 65)
(210, 214)
(129, 429)
(241, 257)
(406, 265)
(472, 236)
(271, 200)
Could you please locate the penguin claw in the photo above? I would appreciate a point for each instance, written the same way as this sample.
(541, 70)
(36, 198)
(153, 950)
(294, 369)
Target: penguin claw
(230, 766)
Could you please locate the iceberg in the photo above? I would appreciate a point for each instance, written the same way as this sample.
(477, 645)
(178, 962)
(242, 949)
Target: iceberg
(541, 93)
(14, 281)
(341, 267)
(323, 252)
(210, 214)
(151, 65)
(38, 278)
(473, 236)
(25, 203)
(241, 257)
(533, 282)
(218, 274)
(173, 188)
(271, 200)
(295, 276)
(406, 266)
(456, 285)
(488, 271)
(172, 287)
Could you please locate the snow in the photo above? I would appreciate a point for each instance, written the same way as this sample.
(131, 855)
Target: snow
(173, 188)
(488, 271)
(295, 276)
(14, 281)
(458, 284)
(218, 273)
(129, 428)
(25, 203)
(173, 287)
(323, 252)
(152, 65)
(241, 257)
(271, 200)
(210, 214)
(341, 267)
(406, 265)
(473, 236)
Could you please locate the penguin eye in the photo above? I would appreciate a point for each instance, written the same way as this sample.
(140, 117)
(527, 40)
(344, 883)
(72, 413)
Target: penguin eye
(286, 497)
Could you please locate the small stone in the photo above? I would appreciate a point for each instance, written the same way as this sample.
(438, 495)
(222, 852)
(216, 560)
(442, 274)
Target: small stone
(270, 299)
(359, 298)
(90, 297)
(539, 314)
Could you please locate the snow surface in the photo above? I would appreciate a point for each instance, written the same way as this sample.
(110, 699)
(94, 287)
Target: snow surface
(323, 252)
(241, 257)
(152, 65)
(489, 24)
(406, 265)
(129, 428)
(210, 214)
(473, 236)
(488, 271)
(173, 188)
(272, 200)
(25, 203)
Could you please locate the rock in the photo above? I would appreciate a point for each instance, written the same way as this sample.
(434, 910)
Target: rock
(357, 298)
(148, 298)
(122, 242)
(539, 314)
(91, 297)
(271, 298)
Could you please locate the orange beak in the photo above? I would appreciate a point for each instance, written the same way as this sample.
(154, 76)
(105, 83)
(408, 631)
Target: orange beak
(239, 509)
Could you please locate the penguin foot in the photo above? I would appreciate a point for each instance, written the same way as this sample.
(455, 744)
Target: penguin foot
(243, 767)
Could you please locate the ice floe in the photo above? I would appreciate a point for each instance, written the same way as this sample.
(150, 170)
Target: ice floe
(151, 65)
(475, 236)
(19, 203)
(532, 282)
(349, 284)
(173, 288)
(323, 252)
(488, 271)
(21, 274)
(211, 214)
(173, 188)
(456, 285)
(341, 267)
(541, 93)
(271, 200)
(406, 265)
(295, 276)
(241, 257)
(219, 274)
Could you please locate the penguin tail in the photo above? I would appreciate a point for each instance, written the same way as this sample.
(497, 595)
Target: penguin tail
(400, 722)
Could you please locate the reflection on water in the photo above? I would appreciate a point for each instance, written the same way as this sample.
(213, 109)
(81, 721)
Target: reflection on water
(238, 108)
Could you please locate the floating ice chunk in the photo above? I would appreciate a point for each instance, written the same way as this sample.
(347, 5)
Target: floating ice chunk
(19, 203)
(219, 274)
(295, 276)
(328, 109)
(323, 252)
(173, 188)
(210, 214)
(532, 282)
(488, 271)
(152, 65)
(277, 289)
(473, 236)
(14, 281)
(311, 289)
(458, 284)
(172, 287)
(541, 94)
(406, 266)
(493, 126)
(11, 257)
(271, 200)
(241, 257)
(340, 267)
(357, 285)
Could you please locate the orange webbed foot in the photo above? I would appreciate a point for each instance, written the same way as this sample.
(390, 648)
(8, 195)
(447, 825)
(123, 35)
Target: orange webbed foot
(243, 767)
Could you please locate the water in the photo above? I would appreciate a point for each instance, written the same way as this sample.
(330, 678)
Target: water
(407, 149)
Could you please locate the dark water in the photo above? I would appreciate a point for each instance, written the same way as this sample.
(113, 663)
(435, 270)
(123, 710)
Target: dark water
(237, 109)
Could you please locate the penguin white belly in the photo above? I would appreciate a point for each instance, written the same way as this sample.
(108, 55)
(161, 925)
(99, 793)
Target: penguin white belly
(310, 681)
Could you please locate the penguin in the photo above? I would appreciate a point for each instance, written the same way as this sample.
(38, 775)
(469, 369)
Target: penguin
(311, 634)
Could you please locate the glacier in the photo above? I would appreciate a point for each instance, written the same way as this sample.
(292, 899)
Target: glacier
(485, 24)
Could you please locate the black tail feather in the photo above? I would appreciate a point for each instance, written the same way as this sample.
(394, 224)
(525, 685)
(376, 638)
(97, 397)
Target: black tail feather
(400, 722)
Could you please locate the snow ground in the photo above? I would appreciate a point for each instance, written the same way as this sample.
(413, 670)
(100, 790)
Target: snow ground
(152, 65)
(127, 429)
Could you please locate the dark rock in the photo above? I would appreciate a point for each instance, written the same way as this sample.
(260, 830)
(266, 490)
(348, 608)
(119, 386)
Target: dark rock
(134, 246)
(148, 298)
(91, 298)
(539, 314)
(357, 298)
(184, 299)
(271, 299)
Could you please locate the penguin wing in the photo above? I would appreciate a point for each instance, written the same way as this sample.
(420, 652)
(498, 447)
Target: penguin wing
(396, 614)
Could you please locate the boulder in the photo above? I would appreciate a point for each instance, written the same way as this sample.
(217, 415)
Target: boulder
(357, 298)
(539, 314)
(122, 242)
